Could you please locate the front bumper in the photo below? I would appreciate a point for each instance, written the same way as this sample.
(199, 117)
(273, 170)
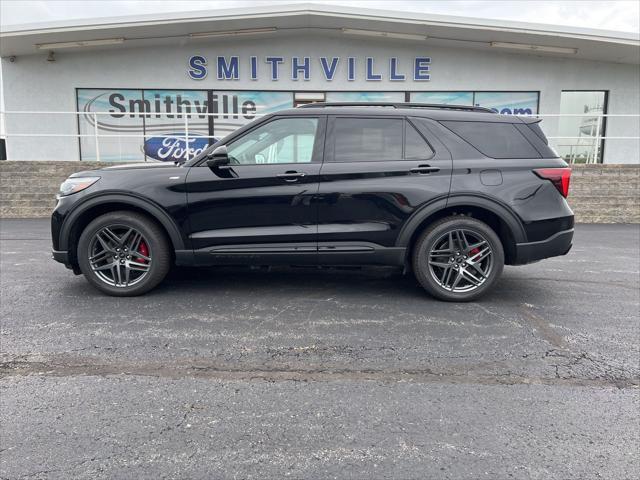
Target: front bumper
(61, 256)
(557, 244)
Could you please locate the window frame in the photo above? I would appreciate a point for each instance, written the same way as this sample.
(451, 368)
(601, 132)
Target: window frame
(605, 111)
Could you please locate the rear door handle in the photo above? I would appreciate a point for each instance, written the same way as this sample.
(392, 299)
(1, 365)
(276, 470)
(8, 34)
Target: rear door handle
(424, 169)
(291, 176)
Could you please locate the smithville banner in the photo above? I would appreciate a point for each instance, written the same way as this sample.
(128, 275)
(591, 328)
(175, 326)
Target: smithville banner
(303, 68)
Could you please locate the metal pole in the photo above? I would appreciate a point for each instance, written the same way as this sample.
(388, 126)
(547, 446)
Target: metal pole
(571, 159)
(186, 138)
(597, 146)
(95, 132)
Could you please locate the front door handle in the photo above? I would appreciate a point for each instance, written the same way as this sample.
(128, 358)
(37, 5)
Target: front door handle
(291, 176)
(424, 169)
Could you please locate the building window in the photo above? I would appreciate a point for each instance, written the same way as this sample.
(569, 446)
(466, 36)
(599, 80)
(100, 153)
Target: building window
(125, 106)
(365, 96)
(305, 98)
(439, 98)
(507, 103)
(137, 125)
(165, 128)
(235, 109)
(580, 132)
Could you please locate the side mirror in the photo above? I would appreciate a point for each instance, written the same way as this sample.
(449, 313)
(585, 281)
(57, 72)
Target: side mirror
(218, 157)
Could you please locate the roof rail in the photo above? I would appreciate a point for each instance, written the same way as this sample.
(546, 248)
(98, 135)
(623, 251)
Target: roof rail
(444, 106)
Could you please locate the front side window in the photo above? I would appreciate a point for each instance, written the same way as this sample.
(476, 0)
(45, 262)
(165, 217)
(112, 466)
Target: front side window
(367, 139)
(285, 140)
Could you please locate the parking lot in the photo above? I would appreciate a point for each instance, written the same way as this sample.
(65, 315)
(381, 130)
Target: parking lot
(239, 373)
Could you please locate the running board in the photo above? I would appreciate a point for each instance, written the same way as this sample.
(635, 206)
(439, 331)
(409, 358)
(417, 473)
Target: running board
(308, 253)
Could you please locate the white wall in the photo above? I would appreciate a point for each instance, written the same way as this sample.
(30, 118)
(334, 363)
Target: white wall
(32, 83)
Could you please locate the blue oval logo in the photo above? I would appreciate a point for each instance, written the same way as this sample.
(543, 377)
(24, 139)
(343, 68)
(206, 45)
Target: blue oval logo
(172, 147)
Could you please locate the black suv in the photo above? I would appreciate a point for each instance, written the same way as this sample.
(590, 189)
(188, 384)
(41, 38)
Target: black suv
(450, 192)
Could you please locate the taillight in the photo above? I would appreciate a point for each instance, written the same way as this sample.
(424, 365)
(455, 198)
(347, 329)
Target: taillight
(558, 176)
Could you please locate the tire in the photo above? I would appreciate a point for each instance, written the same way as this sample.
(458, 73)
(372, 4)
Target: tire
(450, 265)
(103, 257)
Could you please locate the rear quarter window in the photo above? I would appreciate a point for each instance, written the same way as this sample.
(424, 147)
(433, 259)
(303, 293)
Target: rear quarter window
(492, 139)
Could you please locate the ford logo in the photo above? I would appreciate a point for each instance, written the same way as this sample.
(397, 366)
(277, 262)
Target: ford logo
(172, 147)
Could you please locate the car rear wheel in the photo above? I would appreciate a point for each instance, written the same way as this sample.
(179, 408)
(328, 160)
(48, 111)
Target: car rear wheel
(123, 254)
(458, 259)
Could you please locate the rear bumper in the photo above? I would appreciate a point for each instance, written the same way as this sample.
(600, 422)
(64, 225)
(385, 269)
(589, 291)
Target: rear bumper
(557, 244)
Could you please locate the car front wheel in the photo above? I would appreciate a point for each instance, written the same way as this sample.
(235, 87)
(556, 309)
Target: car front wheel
(123, 254)
(458, 259)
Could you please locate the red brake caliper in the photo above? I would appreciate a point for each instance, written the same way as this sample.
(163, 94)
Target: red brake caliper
(144, 250)
(473, 251)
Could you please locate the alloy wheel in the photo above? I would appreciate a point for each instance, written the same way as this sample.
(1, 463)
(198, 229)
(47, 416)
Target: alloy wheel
(119, 255)
(460, 260)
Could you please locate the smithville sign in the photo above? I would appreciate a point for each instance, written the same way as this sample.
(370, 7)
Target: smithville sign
(301, 68)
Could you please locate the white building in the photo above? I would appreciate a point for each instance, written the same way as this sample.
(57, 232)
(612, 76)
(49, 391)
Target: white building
(157, 81)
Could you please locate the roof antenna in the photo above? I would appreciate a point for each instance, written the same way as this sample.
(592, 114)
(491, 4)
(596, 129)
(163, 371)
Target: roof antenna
(51, 57)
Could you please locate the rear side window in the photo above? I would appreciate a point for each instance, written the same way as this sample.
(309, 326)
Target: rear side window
(495, 140)
(415, 147)
(367, 139)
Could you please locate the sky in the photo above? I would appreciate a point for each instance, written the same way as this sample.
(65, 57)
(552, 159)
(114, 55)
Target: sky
(620, 15)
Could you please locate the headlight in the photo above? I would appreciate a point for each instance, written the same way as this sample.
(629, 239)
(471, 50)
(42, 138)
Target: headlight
(76, 184)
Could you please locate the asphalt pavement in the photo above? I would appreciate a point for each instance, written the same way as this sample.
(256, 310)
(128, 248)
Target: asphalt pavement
(309, 373)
